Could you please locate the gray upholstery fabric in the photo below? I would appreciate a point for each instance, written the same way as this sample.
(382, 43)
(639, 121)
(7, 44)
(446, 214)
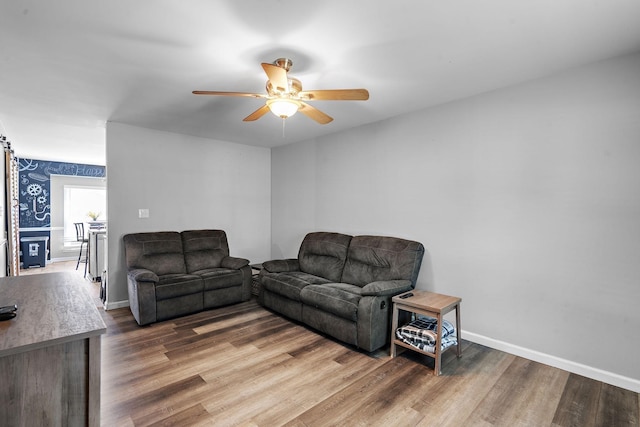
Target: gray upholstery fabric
(335, 326)
(386, 288)
(204, 249)
(343, 285)
(218, 278)
(233, 262)
(179, 306)
(281, 265)
(177, 285)
(375, 258)
(142, 296)
(324, 254)
(143, 275)
(374, 322)
(340, 299)
(172, 274)
(283, 305)
(160, 252)
(290, 284)
(223, 296)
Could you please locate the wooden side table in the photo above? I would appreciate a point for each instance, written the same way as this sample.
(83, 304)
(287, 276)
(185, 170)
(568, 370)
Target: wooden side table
(428, 304)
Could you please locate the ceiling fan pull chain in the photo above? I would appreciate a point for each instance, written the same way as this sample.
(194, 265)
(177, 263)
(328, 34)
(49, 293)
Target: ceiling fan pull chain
(283, 120)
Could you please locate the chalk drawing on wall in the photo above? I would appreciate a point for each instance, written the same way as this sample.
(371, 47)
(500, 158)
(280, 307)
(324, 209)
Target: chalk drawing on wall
(35, 187)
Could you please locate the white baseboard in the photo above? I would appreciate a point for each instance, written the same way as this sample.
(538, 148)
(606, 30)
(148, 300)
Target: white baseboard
(556, 362)
(114, 305)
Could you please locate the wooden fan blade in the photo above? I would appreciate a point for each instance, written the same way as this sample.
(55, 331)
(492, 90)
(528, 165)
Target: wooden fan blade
(213, 92)
(257, 114)
(277, 76)
(315, 114)
(335, 94)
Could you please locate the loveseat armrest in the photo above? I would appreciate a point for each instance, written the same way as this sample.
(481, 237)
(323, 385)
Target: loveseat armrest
(142, 275)
(141, 285)
(386, 288)
(234, 263)
(281, 265)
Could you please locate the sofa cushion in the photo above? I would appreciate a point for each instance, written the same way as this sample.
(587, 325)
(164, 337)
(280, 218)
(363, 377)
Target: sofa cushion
(340, 299)
(281, 265)
(290, 284)
(204, 249)
(324, 254)
(376, 258)
(386, 288)
(177, 285)
(159, 252)
(218, 278)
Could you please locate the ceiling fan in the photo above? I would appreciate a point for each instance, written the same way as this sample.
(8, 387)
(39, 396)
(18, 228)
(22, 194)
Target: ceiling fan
(285, 96)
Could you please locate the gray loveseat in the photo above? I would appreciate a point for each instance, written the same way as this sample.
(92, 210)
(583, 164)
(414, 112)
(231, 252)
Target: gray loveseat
(171, 274)
(342, 285)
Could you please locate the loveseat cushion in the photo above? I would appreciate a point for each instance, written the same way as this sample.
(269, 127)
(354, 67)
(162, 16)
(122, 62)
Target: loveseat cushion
(177, 285)
(378, 258)
(340, 299)
(323, 254)
(204, 249)
(290, 284)
(159, 252)
(218, 278)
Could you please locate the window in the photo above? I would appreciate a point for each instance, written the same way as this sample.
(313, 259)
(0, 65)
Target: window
(78, 201)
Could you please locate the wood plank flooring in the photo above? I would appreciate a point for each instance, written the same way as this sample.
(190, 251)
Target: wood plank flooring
(243, 365)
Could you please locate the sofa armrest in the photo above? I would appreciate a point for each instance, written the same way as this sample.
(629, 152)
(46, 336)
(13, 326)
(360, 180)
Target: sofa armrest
(386, 287)
(281, 265)
(233, 262)
(142, 275)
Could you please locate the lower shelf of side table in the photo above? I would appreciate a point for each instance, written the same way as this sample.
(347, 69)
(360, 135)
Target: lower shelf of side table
(403, 344)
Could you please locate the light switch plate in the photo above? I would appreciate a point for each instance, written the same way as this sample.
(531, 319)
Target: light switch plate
(143, 213)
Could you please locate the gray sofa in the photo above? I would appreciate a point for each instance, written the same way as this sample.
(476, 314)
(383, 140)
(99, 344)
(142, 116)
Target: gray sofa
(171, 274)
(342, 285)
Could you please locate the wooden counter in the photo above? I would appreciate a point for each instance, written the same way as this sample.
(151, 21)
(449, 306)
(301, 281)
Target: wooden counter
(50, 352)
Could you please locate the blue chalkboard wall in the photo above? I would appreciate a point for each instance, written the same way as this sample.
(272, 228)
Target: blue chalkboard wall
(35, 188)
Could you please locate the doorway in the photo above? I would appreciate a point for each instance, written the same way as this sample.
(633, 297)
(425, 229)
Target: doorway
(72, 198)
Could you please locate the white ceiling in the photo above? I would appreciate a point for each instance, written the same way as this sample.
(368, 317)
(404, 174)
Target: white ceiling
(69, 66)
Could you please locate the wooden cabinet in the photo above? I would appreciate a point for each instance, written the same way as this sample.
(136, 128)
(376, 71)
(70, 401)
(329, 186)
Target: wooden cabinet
(50, 352)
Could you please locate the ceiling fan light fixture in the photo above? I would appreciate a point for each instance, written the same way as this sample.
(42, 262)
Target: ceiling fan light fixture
(285, 96)
(283, 108)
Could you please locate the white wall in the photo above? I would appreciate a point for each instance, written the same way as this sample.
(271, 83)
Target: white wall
(186, 183)
(527, 198)
(4, 212)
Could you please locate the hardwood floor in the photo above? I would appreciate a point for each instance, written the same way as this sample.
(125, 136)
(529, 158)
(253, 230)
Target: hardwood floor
(53, 267)
(92, 287)
(244, 365)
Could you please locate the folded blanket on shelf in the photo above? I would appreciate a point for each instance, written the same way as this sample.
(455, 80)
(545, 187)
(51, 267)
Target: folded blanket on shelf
(422, 333)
